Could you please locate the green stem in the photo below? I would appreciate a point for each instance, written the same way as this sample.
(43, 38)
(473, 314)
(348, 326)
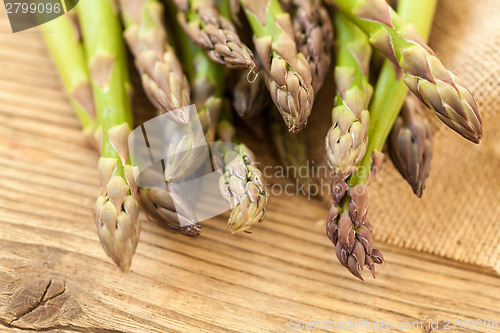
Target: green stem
(271, 28)
(353, 56)
(390, 92)
(102, 34)
(347, 35)
(67, 52)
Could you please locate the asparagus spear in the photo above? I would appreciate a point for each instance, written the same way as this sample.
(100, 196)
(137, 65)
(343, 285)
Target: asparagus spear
(347, 139)
(241, 182)
(314, 36)
(63, 39)
(206, 81)
(162, 77)
(424, 73)
(410, 144)
(116, 210)
(347, 224)
(184, 157)
(214, 33)
(289, 74)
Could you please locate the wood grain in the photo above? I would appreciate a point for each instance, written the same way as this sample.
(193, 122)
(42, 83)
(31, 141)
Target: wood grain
(54, 276)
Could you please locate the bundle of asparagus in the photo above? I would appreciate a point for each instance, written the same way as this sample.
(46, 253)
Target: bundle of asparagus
(293, 42)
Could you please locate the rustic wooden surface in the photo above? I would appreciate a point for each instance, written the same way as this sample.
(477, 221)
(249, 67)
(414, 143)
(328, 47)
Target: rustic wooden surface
(55, 276)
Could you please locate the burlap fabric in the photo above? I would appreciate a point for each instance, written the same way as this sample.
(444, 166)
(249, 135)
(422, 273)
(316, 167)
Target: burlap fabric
(458, 216)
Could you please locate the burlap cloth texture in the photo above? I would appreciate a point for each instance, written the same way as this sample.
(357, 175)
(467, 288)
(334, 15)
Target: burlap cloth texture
(458, 215)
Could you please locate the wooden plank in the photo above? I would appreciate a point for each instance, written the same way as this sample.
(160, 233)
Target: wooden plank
(247, 283)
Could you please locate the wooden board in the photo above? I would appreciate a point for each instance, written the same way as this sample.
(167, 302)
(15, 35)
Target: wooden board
(55, 276)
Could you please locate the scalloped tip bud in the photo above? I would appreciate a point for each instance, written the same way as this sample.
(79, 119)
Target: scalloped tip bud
(243, 187)
(442, 92)
(118, 231)
(410, 145)
(346, 141)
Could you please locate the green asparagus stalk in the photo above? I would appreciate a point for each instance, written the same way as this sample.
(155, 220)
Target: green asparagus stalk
(423, 72)
(206, 81)
(313, 35)
(116, 210)
(348, 227)
(347, 139)
(410, 144)
(289, 75)
(63, 39)
(214, 33)
(162, 77)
